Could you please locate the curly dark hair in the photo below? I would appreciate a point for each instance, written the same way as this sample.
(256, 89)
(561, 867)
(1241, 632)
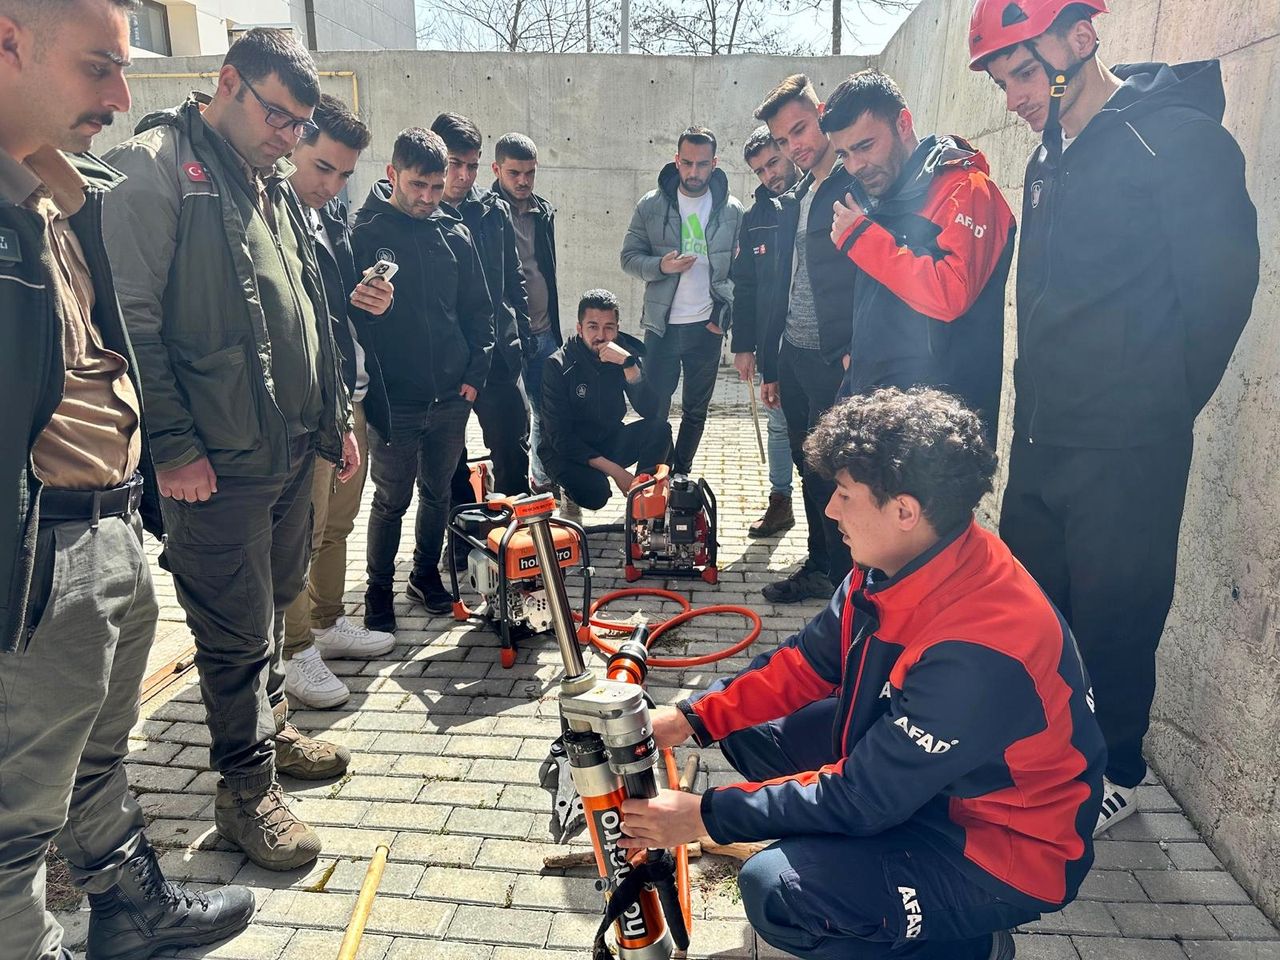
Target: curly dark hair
(921, 442)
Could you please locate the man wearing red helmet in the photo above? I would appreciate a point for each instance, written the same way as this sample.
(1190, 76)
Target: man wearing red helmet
(1136, 275)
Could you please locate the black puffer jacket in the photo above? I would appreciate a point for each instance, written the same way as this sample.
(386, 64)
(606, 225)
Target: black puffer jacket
(438, 333)
(1138, 265)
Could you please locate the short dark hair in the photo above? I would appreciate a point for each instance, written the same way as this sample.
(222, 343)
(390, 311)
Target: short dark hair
(420, 150)
(867, 91)
(697, 134)
(597, 299)
(760, 139)
(514, 146)
(921, 442)
(262, 51)
(334, 120)
(459, 134)
(796, 87)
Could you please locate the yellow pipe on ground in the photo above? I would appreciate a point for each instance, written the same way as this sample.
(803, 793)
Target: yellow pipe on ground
(359, 916)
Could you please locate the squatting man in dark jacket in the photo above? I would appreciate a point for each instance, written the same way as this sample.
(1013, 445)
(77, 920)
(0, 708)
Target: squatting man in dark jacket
(1136, 275)
(77, 606)
(880, 742)
(585, 388)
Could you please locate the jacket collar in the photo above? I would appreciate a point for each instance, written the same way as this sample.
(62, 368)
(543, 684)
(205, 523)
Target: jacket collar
(45, 170)
(899, 597)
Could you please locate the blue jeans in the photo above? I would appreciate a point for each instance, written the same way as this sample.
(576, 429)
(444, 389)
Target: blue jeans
(835, 897)
(546, 346)
(695, 350)
(778, 446)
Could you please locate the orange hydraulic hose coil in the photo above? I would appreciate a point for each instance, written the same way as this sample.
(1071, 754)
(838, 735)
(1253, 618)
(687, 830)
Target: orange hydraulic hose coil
(687, 613)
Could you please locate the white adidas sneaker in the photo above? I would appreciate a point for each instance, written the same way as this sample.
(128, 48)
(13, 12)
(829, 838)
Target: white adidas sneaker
(309, 681)
(349, 639)
(1117, 803)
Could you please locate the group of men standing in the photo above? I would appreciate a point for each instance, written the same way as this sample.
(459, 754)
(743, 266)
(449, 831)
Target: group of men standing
(234, 368)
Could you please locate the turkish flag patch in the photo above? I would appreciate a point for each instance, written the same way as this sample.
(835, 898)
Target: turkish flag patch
(196, 172)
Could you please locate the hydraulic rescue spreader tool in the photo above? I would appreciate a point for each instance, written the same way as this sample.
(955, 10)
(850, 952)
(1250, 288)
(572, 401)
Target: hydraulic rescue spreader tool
(670, 528)
(609, 748)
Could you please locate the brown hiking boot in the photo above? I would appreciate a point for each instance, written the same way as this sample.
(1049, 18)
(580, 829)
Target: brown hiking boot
(777, 519)
(265, 828)
(305, 757)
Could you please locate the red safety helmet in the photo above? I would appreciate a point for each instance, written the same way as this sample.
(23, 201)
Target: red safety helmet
(997, 24)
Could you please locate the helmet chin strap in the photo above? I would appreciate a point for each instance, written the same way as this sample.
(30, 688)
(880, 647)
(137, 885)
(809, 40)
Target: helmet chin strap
(1059, 80)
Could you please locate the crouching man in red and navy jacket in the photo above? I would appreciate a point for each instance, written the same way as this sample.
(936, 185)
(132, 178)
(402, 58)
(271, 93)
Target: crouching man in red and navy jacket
(925, 749)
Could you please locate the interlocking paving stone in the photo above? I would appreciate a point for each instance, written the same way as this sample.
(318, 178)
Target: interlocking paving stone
(447, 745)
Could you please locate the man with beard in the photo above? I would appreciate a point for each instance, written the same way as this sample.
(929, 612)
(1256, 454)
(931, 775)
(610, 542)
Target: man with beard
(79, 610)
(752, 271)
(585, 389)
(803, 342)
(1136, 275)
(681, 242)
(433, 349)
(219, 286)
(933, 237)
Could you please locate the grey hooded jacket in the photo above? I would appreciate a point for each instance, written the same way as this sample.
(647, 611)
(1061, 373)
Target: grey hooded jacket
(655, 232)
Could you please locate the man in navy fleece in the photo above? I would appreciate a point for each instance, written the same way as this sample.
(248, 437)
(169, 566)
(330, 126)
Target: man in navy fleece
(925, 749)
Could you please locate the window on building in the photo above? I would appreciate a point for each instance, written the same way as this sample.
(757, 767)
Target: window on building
(150, 28)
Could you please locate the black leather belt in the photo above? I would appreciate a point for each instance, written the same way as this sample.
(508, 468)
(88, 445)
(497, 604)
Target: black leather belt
(63, 506)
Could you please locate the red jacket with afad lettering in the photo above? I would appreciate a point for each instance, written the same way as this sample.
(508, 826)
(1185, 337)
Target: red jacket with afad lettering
(963, 709)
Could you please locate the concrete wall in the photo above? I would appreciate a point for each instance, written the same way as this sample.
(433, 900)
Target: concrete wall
(359, 24)
(1216, 729)
(604, 126)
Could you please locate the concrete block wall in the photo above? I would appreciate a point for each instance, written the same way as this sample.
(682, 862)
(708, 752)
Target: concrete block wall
(1215, 735)
(606, 124)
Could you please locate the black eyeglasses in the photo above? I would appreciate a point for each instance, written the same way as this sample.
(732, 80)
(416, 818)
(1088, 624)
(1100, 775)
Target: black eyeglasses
(279, 119)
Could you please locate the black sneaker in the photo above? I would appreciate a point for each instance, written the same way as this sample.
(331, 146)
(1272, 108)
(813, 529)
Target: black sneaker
(1002, 947)
(428, 590)
(379, 609)
(145, 913)
(805, 584)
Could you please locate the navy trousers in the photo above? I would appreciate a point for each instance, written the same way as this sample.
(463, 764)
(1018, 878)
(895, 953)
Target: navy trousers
(838, 897)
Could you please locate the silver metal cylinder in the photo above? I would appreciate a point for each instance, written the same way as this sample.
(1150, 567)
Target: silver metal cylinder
(557, 596)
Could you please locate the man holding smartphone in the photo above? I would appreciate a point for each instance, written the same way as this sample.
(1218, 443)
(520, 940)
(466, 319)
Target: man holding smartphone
(315, 627)
(681, 243)
(433, 349)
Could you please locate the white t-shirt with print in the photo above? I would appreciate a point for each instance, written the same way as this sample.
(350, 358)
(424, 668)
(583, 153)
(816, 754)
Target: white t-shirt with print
(692, 303)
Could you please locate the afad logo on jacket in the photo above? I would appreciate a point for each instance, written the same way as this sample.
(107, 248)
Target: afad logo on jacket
(925, 741)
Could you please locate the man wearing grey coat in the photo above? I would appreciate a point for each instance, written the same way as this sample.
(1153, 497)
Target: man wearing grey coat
(681, 243)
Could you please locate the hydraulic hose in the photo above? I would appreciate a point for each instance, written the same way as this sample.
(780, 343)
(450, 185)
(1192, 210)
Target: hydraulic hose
(688, 612)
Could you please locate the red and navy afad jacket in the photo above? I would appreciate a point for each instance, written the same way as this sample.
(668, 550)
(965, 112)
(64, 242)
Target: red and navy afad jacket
(964, 709)
(934, 253)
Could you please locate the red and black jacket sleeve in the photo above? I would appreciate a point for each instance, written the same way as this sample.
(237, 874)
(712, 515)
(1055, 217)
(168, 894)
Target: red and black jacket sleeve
(961, 705)
(802, 670)
(945, 281)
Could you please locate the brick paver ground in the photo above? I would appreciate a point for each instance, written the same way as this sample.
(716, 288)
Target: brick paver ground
(447, 745)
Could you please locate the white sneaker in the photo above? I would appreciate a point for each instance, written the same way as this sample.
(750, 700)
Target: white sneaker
(1117, 803)
(308, 680)
(350, 640)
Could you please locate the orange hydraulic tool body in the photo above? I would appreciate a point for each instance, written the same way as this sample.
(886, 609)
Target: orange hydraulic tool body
(670, 528)
(503, 568)
(607, 743)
